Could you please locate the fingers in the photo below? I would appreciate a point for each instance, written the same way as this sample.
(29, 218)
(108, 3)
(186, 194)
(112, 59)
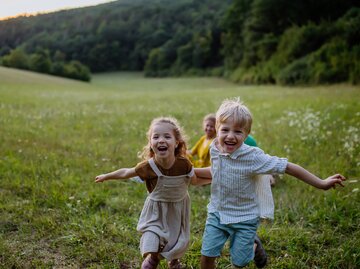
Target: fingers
(342, 178)
(98, 179)
(339, 176)
(337, 179)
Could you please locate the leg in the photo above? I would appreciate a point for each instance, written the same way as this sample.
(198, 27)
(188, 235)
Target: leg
(149, 246)
(149, 243)
(260, 254)
(151, 261)
(242, 242)
(214, 238)
(207, 262)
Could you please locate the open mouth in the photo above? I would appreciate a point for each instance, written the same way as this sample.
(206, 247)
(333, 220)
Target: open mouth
(162, 148)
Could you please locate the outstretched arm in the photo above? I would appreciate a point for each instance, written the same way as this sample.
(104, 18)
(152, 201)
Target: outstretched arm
(309, 178)
(123, 173)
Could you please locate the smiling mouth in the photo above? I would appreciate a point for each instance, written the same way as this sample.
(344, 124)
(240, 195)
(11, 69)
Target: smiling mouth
(162, 148)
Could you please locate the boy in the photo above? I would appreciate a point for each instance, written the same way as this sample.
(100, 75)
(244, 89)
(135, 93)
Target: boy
(233, 211)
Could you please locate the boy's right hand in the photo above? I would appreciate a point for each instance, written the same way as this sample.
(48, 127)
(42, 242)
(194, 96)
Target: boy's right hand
(100, 178)
(333, 180)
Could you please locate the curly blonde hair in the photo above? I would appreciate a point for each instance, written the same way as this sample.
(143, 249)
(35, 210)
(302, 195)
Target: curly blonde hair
(179, 134)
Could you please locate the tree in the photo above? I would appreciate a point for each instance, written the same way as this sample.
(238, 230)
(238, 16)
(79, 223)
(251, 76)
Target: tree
(40, 61)
(17, 58)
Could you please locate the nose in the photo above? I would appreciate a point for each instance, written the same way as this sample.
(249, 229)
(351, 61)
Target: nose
(231, 135)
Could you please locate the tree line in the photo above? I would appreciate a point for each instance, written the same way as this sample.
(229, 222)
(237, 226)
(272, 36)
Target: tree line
(247, 41)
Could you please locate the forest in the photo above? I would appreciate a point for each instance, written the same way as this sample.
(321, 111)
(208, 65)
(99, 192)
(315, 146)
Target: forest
(246, 41)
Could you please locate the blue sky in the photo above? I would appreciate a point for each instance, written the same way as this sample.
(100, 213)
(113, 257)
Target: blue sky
(10, 8)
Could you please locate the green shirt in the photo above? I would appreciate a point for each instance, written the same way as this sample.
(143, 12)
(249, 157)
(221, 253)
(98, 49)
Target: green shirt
(250, 141)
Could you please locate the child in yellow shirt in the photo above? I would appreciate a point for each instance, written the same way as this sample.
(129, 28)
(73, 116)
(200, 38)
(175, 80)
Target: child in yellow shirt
(201, 148)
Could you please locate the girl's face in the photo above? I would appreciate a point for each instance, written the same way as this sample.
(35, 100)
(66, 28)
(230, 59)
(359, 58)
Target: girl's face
(163, 141)
(209, 128)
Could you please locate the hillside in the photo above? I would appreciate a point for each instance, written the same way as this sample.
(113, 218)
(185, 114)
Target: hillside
(118, 35)
(25, 77)
(247, 41)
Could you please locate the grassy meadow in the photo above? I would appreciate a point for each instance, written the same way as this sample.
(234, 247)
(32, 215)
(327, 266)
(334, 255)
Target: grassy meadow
(56, 135)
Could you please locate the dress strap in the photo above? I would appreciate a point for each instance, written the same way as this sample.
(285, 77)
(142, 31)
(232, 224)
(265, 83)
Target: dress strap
(191, 173)
(154, 167)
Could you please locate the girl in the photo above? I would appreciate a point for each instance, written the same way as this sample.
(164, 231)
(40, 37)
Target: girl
(165, 218)
(201, 148)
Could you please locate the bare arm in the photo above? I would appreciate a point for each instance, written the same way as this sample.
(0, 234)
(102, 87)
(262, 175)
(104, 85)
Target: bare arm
(123, 173)
(309, 178)
(203, 172)
(200, 181)
(202, 176)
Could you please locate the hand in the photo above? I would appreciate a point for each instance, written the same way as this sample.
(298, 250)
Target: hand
(100, 178)
(333, 180)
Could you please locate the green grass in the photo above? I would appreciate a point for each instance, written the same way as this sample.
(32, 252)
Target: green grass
(56, 135)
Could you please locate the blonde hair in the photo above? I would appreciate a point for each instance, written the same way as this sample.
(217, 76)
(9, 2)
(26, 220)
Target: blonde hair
(237, 111)
(210, 117)
(179, 134)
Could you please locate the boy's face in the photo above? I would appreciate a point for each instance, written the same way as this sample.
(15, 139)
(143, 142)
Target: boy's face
(209, 129)
(231, 136)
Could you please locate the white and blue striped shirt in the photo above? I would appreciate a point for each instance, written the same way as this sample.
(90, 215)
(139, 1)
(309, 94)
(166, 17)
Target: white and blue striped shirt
(233, 181)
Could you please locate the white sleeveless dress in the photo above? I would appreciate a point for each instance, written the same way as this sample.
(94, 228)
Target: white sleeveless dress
(166, 215)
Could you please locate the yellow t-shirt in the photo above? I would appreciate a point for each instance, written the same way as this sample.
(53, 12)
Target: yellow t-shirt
(201, 150)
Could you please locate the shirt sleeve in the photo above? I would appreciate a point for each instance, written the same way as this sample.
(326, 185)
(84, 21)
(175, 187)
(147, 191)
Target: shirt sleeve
(141, 170)
(266, 164)
(185, 165)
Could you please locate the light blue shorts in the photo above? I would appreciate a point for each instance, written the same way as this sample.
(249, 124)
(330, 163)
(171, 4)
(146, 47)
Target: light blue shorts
(241, 235)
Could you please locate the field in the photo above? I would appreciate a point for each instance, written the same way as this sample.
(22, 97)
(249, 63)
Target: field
(56, 135)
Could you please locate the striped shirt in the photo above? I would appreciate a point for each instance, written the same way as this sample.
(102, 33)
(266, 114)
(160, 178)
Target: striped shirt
(233, 185)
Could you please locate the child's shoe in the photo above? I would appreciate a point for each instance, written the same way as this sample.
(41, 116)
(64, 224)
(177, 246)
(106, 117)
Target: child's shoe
(150, 263)
(260, 254)
(175, 264)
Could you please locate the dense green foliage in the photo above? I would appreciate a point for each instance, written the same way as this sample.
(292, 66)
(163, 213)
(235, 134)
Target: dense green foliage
(292, 42)
(126, 35)
(58, 134)
(248, 41)
(41, 62)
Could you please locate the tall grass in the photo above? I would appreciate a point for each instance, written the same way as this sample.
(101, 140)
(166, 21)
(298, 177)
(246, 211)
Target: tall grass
(57, 134)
